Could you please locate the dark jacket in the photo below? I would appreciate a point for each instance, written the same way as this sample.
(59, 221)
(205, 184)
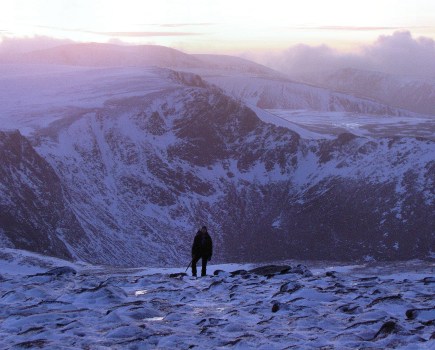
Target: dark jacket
(202, 245)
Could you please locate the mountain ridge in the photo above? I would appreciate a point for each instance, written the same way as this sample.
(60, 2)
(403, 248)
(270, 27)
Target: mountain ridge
(108, 55)
(189, 154)
(147, 159)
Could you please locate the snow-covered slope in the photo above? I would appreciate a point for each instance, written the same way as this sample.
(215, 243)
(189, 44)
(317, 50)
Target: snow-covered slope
(47, 303)
(32, 96)
(269, 90)
(413, 94)
(242, 79)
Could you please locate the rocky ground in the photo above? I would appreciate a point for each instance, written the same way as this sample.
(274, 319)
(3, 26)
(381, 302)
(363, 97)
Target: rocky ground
(261, 307)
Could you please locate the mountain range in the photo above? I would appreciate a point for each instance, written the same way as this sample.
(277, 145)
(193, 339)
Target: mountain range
(122, 153)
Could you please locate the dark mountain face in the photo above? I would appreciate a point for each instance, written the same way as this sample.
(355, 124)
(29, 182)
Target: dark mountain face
(348, 220)
(34, 214)
(349, 213)
(142, 173)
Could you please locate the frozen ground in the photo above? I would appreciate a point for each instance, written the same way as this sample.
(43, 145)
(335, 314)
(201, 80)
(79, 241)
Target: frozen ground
(310, 306)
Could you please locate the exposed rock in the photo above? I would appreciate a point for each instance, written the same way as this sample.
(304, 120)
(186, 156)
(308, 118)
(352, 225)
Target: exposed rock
(218, 272)
(350, 308)
(239, 272)
(424, 315)
(389, 298)
(60, 271)
(429, 280)
(301, 270)
(270, 270)
(386, 329)
(275, 307)
(290, 287)
(33, 344)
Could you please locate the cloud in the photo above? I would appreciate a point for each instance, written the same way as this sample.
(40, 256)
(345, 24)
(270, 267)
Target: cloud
(304, 59)
(178, 25)
(133, 34)
(399, 53)
(145, 34)
(362, 28)
(350, 28)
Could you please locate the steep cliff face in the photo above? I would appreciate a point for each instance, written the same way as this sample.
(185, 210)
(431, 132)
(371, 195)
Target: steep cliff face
(141, 173)
(34, 212)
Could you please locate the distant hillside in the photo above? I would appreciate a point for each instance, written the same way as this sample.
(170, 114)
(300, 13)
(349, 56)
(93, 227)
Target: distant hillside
(226, 63)
(108, 55)
(416, 95)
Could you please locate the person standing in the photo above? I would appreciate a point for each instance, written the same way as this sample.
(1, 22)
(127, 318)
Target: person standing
(202, 248)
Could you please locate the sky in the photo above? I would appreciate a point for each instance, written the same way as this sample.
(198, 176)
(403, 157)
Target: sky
(294, 36)
(218, 26)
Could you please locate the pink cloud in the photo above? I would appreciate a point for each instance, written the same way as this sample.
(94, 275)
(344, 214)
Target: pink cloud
(401, 53)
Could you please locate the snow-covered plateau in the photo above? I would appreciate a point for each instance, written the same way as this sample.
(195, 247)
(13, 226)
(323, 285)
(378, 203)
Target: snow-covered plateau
(116, 155)
(54, 304)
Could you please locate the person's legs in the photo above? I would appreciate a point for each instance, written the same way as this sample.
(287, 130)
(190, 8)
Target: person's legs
(204, 267)
(194, 261)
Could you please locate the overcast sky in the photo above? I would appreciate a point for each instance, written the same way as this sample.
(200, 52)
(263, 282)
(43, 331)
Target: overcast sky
(212, 26)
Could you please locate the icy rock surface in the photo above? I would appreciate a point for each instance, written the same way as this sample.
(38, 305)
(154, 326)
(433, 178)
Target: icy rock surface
(263, 307)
